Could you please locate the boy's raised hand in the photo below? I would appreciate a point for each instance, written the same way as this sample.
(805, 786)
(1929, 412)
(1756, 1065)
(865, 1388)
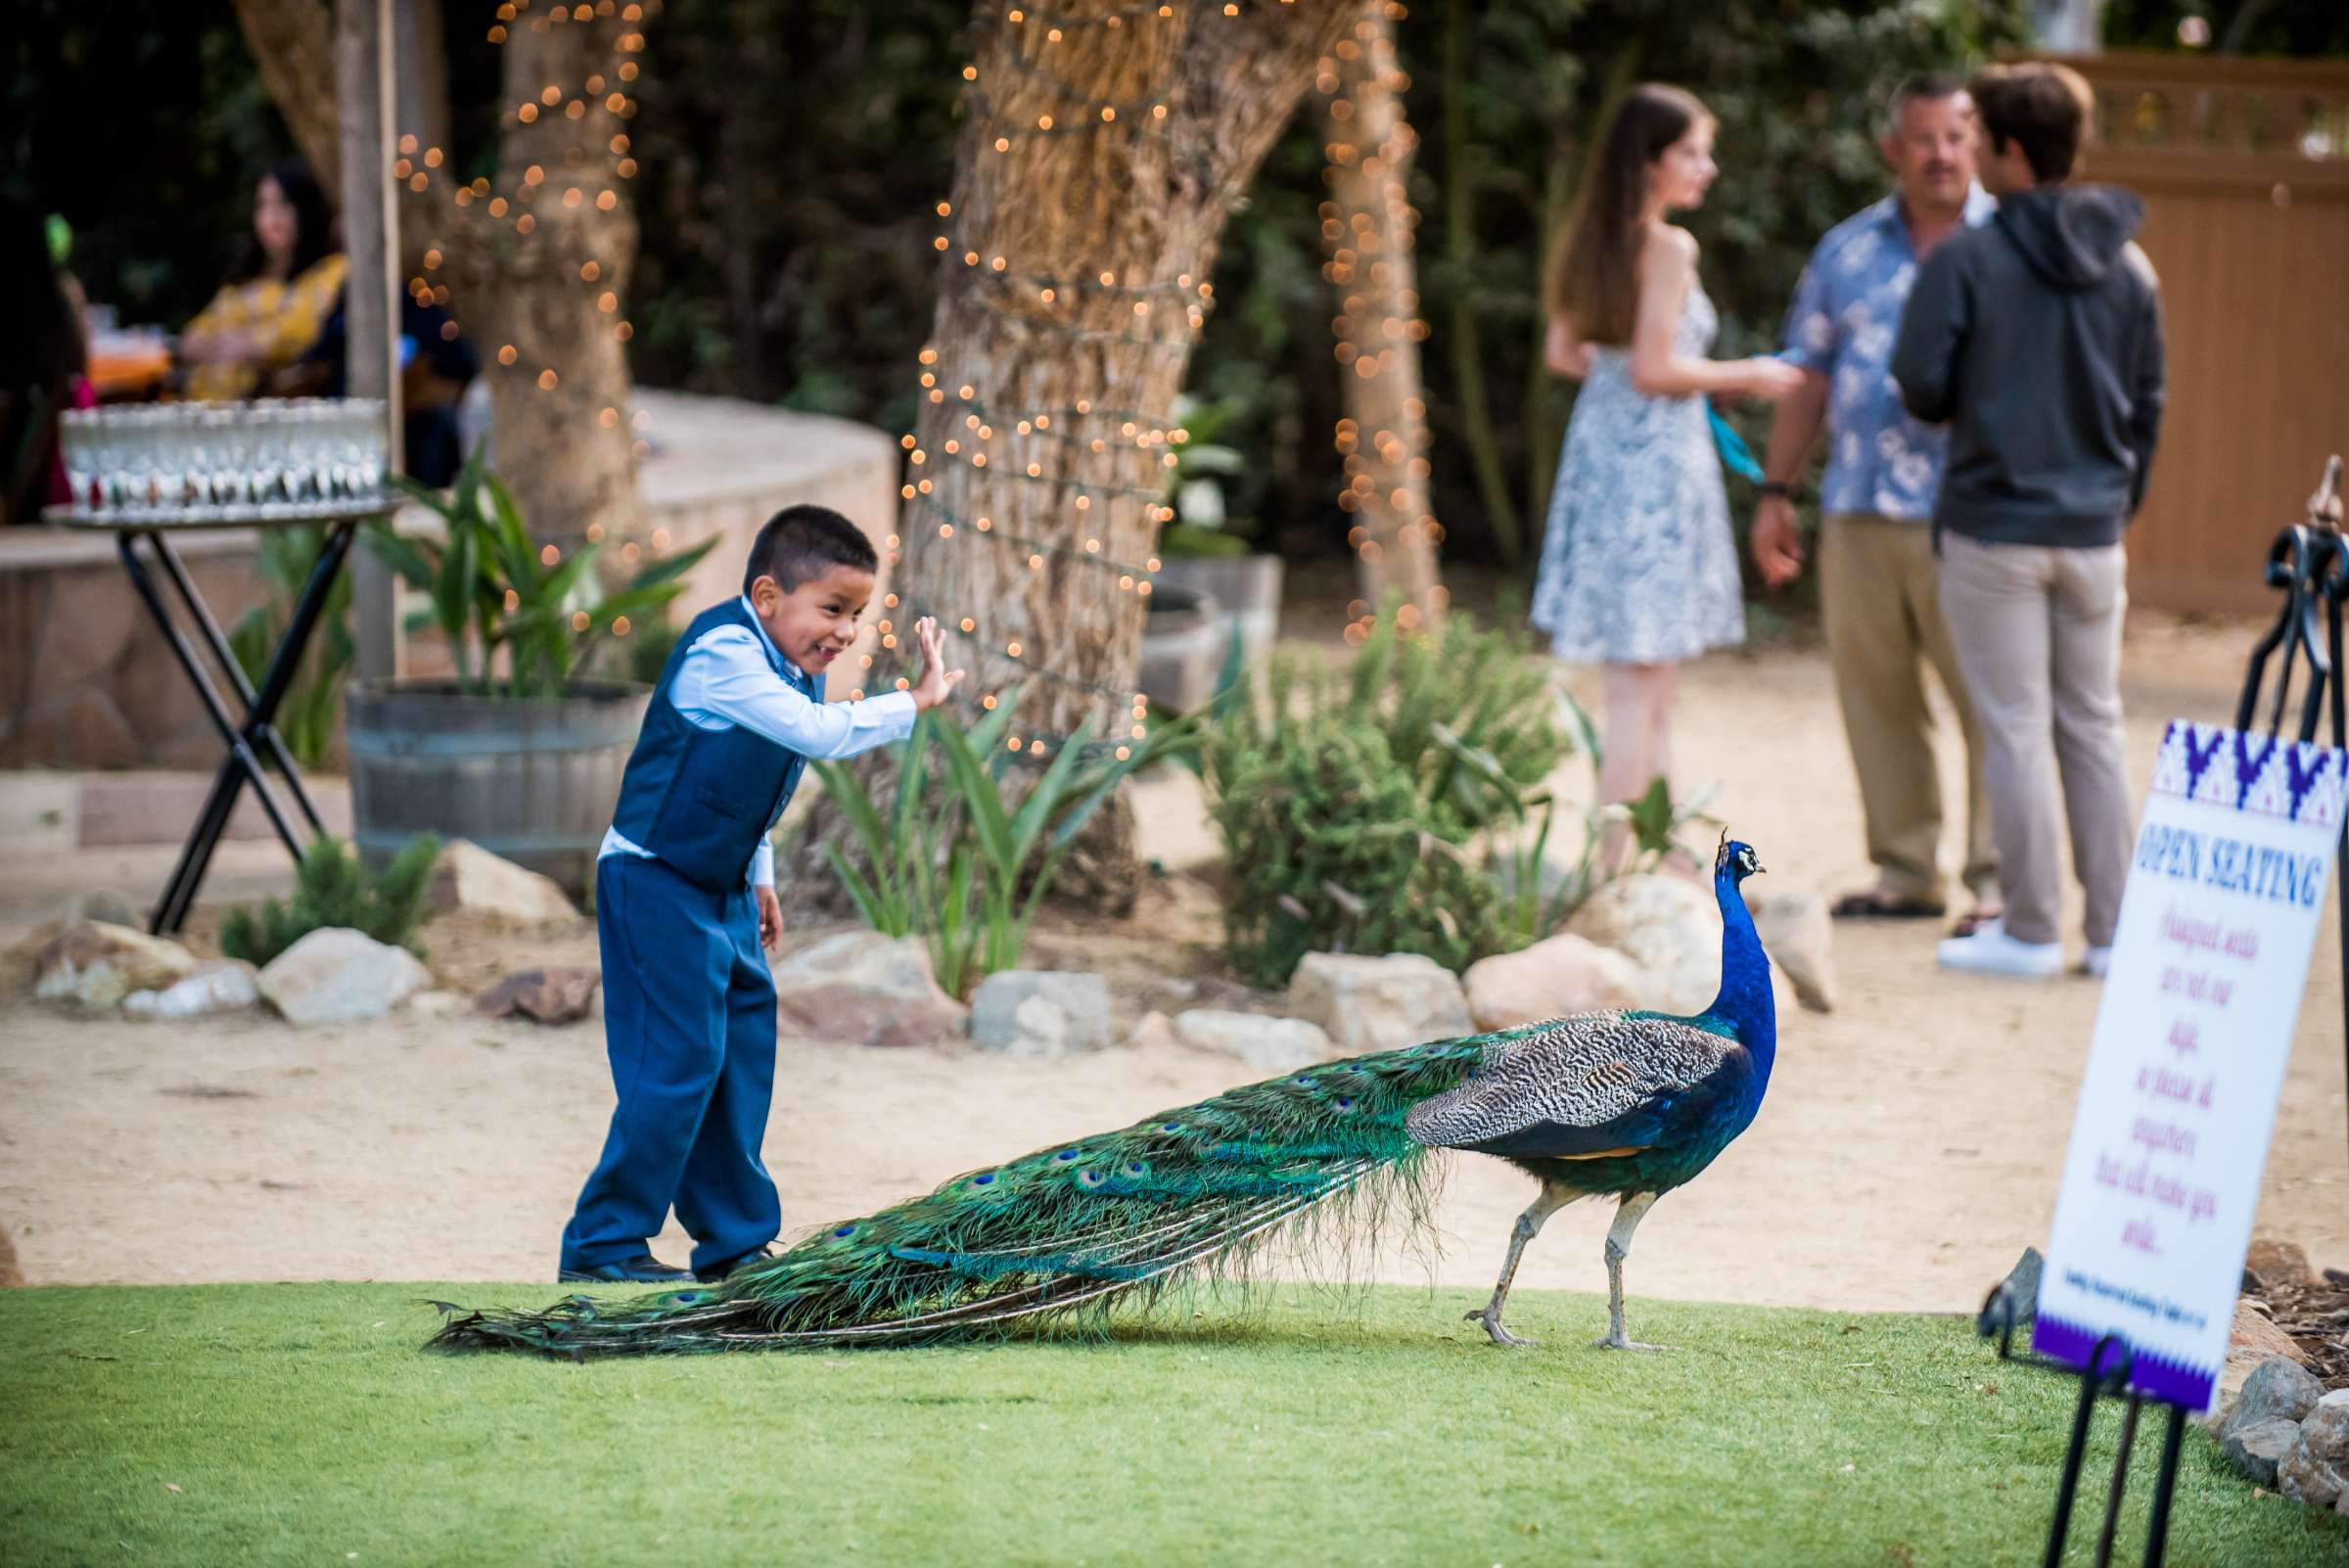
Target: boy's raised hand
(937, 681)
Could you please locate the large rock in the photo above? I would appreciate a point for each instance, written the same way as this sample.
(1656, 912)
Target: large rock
(2278, 1266)
(339, 976)
(100, 904)
(220, 985)
(1800, 939)
(2304, 1478)
(1379, 1004)
(1564, 974)
(470, 878)
(1268, 1045)
(1040, 1012)
(2258, 1446)
(867, 990)
(2021, 1285)
(94, 966)
(21, 960)
(2325, 1428)
(556, 994)
(1670, 928)
(2278, 1389)
(1151, 1031)
(2256, 1332)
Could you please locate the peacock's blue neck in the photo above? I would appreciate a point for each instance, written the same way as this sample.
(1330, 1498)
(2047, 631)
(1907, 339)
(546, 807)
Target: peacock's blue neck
(1746, 1001)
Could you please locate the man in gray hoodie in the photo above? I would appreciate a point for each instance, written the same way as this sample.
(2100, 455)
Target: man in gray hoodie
(2037, 340)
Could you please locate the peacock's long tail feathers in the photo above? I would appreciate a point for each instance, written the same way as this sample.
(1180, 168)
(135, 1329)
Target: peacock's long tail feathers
(1058, 1232)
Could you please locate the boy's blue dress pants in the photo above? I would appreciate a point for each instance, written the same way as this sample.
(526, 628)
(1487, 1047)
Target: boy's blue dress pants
(689, 1020)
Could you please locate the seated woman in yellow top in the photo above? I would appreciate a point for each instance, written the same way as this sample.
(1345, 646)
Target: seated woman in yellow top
(269, 312)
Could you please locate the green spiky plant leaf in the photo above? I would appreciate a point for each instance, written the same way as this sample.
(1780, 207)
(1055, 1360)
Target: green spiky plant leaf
(1349, 805)
(955, 859)
(491, 596)
(332, 889)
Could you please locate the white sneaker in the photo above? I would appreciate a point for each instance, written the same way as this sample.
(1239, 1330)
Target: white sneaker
(2096, 960)
(1991, 951)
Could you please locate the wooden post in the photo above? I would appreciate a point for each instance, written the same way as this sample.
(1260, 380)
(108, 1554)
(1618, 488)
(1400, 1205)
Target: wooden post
(364, 88)
(420, 101)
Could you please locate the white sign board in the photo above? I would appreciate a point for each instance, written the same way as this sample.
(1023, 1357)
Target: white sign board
(2171, 1135)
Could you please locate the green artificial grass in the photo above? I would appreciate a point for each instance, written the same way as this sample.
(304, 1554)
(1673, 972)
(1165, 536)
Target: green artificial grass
(300, 1424)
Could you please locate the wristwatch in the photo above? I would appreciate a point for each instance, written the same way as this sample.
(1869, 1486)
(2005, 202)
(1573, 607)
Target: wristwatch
(1776, 490)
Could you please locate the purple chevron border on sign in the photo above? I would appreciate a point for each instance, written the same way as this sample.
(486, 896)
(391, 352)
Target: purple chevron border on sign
(2298, 781)
(2151, 1373)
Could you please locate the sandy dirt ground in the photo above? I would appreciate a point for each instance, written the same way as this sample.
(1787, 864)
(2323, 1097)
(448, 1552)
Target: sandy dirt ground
(1908, 1149)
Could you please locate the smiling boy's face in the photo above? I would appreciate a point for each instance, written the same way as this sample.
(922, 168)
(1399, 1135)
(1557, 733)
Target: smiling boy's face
(813, 624)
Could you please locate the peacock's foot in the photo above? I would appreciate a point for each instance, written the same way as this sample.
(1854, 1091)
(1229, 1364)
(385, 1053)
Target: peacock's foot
(1501, 1336)
(1618, 1342)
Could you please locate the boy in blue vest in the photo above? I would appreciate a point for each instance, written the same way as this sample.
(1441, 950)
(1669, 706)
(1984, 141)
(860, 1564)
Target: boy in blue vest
(685, 898)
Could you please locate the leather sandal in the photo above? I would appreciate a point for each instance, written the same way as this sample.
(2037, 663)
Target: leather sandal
(1874, 904)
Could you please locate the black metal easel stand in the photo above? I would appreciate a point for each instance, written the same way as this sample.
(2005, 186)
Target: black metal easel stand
(248, 738)
(2106, 1372)
(2310, 562)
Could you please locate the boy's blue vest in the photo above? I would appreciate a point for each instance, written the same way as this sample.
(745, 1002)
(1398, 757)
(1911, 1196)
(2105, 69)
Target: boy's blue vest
(703, 798)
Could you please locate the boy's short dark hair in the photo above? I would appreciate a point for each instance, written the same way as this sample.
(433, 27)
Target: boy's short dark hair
(801, 542)
(2040, 107)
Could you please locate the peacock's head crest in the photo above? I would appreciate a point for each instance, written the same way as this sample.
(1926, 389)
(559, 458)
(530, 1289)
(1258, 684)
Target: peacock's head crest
(1734, 860)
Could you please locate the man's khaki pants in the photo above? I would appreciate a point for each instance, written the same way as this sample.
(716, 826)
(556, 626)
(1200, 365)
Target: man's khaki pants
(2038, 631)
(1882, 606)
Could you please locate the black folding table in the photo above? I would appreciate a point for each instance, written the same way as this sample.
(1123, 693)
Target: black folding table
(143, 539)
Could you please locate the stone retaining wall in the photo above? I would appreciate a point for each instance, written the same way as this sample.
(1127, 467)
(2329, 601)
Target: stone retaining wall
(86, 681)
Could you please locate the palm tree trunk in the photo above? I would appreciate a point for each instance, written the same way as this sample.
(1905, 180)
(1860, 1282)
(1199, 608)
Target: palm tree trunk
(1103, 151)
(1369, 225)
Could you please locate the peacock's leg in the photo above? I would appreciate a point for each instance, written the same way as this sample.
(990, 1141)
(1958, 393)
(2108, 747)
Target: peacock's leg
(1619, 1247)
(1553, 1198)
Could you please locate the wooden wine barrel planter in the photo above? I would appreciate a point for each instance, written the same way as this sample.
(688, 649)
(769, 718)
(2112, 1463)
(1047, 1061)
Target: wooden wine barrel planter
(1182, 649)
(1246, 587)
(533, 779)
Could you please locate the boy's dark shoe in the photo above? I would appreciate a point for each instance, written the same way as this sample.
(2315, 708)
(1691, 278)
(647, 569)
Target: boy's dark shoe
(643, 1268)
(719, 1271)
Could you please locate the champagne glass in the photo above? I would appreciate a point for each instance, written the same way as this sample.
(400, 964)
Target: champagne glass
(143, 463)
(228, 450)
(302, 451)
(119, 456)
(370, 426)
(75, 437)
(266, 461)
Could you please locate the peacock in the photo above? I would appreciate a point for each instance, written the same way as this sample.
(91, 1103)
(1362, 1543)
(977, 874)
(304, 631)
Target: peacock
(1622, 1104)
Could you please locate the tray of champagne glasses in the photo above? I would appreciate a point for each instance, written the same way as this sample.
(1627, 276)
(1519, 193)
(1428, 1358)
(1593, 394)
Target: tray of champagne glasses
(185, 465)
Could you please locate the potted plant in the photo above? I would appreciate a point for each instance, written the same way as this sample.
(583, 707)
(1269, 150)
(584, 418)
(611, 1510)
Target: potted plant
(1204, 552)
(518, 752)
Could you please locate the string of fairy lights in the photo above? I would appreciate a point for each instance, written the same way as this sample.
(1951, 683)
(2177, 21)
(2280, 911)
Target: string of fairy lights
(1366, 240)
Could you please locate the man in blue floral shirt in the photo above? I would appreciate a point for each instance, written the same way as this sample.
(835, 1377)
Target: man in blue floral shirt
(1877, 583)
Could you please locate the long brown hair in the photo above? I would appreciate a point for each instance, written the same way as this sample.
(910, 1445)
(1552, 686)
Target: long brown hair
(1595, 278)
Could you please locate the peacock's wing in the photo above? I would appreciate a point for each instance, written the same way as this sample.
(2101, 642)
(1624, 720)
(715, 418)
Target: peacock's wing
(1592, 1084)
(1064, 1228)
